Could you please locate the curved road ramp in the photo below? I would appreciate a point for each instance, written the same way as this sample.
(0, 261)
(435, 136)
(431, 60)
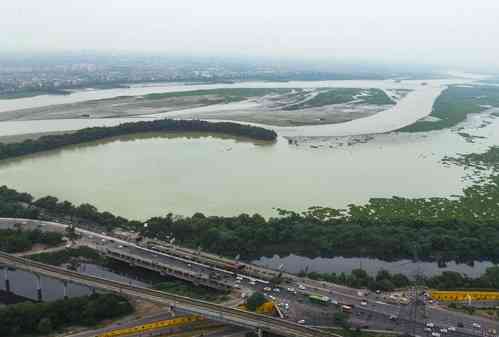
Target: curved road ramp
(184, 304)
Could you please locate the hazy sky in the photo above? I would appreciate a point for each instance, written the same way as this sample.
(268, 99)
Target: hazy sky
(450, 32)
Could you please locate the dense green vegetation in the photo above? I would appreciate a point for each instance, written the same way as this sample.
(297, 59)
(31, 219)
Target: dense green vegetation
(463, 229)
(189, 290)
(255, 300)
(359, 278)
(386, 281)
(454, 104)
(479, 161)
(344, 95)
(228, 95)
(16, 240)
(52, 142)
(69, 255)
(44, 318)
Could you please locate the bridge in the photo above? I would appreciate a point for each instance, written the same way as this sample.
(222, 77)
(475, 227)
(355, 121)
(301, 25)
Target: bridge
(212, 311)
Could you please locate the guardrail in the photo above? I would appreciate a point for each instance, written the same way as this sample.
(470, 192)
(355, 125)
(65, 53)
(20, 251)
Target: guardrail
(206, 309)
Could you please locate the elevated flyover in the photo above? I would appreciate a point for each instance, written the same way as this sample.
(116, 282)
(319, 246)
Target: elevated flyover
(184, 304)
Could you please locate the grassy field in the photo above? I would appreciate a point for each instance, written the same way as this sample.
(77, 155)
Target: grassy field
(344, 95)
(229, 95)
(453, 106)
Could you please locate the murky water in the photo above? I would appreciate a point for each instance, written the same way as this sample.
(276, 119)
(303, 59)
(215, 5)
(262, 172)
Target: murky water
(25, 284)
(295, 264)
(140, 177)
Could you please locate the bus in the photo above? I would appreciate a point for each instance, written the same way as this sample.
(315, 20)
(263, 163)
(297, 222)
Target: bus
(324, 300)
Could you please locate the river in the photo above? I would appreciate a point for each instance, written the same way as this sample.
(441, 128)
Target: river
(415, 105)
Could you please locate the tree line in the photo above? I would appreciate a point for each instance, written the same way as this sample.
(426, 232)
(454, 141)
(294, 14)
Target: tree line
(44, 318)
(51, 142)
(386, 281)
(16, 240)
(435, 229)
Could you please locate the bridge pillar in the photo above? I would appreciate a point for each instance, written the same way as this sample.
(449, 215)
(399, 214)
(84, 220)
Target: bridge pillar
(6, 278)
(39, 288)
(65, 284)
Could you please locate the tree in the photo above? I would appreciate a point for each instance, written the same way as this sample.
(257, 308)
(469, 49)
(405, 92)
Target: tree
(71, 233)
(255, 300)
(45, 326)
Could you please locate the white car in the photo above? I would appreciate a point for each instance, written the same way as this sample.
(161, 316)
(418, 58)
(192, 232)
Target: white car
(476, 326)
(301, 287)
(239, 278)
(436, 334)
(430, 325)
(444, 330)
(291, 290)
(363, 302)
(452, 328)
(427, 329)
(252, 283)
(301, 321)
(267, 289)
(276, 290)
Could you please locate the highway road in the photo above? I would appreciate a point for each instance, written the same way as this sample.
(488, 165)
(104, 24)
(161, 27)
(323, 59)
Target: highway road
(178, 303)
(375, 313)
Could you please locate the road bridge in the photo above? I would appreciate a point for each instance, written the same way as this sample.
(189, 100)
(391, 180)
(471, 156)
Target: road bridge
(178, 303)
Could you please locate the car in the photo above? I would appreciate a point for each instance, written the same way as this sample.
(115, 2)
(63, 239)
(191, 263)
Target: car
(427, 329)
(301, 321)
(237, 286)
(393, 318)
(267, 289)
(436, 334)
(476, 325)
(363, 302)
(276, 290)
(273, 298)
(120, 246)
(452, 328)
(444, 330)
(378, 291)
(240, 278)
(430, 324)
(252, 283)
(291, 290)
(301, 287)
(238, 281)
